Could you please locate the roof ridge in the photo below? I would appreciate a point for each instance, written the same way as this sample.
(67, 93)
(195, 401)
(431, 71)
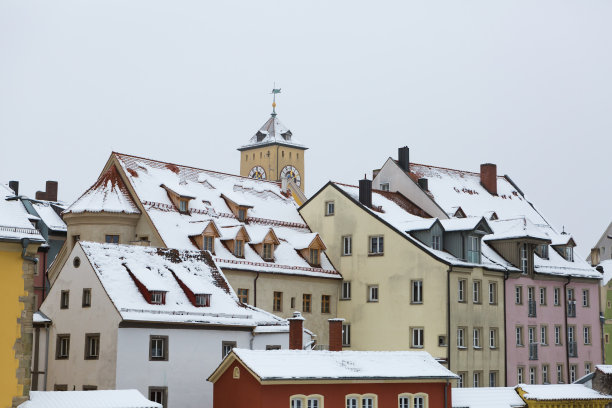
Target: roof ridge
(448, 168)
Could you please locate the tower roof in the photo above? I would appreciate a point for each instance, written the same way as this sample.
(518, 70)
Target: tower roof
(273, 132)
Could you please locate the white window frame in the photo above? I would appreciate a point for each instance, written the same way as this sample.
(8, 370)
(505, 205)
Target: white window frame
(373, 293)
(543, 296)
(417, 291)
(346, 290)
(586, 335)
(585, 298)
(524, 259)
(518, 295)
(417, 337)
(476, 287)
(533, 375)
(556, 296)
(376, 245)
(476, 379)
(519, 336)
(476, 332)
(347, 245)
(461, 337)
(520, 374)
(492, 293)
(493, 338)
(473, 252)
(436, 241)
(346, 335)
(544, 335)
(545, 379)
(461, 290)
(330, 208)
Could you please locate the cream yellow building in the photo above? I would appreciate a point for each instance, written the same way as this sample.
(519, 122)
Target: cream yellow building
(402, 290)
(19, 243)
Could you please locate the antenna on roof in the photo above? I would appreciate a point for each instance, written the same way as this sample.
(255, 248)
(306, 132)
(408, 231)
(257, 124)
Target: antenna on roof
(563, 232)
(274, 92)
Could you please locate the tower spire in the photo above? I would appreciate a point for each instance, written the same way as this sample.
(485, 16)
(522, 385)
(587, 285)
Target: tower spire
(274, 92)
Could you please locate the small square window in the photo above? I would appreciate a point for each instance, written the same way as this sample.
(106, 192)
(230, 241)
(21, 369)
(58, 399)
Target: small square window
(86, 297)
(157, 297)
(159, 395)
(158, 348)
(373, 293)
(92, 346)
(384, 186)
(329, 208)
(202, 299)
(226, 348)
(112, 239)
(65, 299)
(376, 245)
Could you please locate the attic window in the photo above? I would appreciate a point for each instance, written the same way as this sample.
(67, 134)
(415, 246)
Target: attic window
(242, 214)
(208, 243)
(183, 206)
(260, 136)
(542, 251)
(315, 257)
(239, 248)
(568, 253)
(473, 253)
(158, 297)
(268, 252)
(202, 300)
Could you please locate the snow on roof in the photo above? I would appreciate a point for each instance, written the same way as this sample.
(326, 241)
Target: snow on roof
(40, 317)
(48, 215)
(14, 218)
(487, 397)
(270, 209)
(461, 224)
(607, 268)
(273, 131)
(89, 399)
(319, 365)
(555, 392)
(401, 219)
(604, 368)
(516, 228)
(195, 269)
(108, 194)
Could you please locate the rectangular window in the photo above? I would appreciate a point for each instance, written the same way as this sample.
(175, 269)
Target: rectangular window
(519, 335)
(202, 299)
(306, 302)
(159, 395)
(493, 379)
(346, 290)
(461, 380)
(573, 371)
(476, 338)
(314, 257)
(367, 402)
(532, 375)
(417, 337)
(226, 347)
(476, 379)
(461, 290)
(158, 348)
(373, 293)
(208, 243)
(492, 293)
(493, 338)
(267, 252)
(157, 298)
(243, 295)
(65, 299)
(476, 291)
(86, 298)
(556, 296)
(377, 245)
(586, 334)
(544, 335)
(62, 347)
(92, 346)
(329, 208)
(417, 291)
(524, 260)
(346, 335)
(273, 347)
(560, 374)
(518, 295)
(292, 303)
(384, 186)
(545, 379)
(587, 368)
(473, 249)
(520, 374)
(532, 335)
(241, 214)
(325, 303)
(112, 239)
(585, 298)
(461, 337)
(557, 335)
(347, 245)
(277, 302)
(436, 242)
(542, 296)
(239, 248)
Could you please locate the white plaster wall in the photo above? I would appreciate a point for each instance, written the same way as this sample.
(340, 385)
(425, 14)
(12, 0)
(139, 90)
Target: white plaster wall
(193, 354)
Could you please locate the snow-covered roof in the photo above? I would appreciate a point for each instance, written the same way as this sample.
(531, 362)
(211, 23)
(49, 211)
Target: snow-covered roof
(156, 269)
(47, 214)
(517, 217)
(342, 365)
(604, 368)
(273, 131)
(108, 194)
(556, 392)
(89, 399)
(462, 224)
(404, 221)
(487, 397)
(40, 317)
(270, 209)
(14, 219)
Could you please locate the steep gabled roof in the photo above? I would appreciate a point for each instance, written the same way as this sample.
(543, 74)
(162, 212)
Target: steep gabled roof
(14, 219)
(273, 132)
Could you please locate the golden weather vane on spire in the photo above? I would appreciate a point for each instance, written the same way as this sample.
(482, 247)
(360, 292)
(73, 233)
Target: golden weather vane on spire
(274, 92)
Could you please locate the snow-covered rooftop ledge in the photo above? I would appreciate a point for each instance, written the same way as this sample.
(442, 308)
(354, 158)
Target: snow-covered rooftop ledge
(89, 399)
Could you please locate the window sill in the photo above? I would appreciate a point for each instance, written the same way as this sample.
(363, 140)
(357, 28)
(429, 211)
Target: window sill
(477, 348)
(344, 299)
(461, 347)
(372, 301)
(377, 254)
(330, 215)
(416, 303)
(346, 255)
(416, 347)
(493, 347)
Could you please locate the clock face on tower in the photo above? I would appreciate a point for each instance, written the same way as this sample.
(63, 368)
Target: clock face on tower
(292, 173)
(258, 173)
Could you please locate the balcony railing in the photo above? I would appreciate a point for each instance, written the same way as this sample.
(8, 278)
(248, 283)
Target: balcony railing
(573, 349)
(532, 308)
(571, 308)
(533, 351)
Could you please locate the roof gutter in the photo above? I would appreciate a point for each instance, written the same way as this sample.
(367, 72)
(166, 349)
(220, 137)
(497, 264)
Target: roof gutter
(24, 243)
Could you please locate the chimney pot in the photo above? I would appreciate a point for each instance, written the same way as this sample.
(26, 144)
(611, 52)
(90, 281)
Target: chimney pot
(365, 192)
(14, 185)
(296, 331)
(488, 177)
(403, 158)
(423, 183)
(335, 334)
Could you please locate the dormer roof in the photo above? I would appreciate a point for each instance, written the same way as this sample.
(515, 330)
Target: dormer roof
(230, 233)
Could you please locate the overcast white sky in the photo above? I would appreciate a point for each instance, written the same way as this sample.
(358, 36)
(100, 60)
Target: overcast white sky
(524, 84)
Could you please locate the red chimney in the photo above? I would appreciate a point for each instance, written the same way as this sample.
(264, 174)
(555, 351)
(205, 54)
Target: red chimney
(296, 331)
(488, 177)
(335, 334)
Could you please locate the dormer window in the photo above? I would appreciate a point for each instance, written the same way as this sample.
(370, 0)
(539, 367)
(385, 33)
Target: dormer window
(202, 300)
(568, 253)
(268, 252)
(242, 214)
(315, 258)
(524, 260)
(473, 252)
(183, 206)
(239, 248)
(208, 242)
(158, 298)
(436, 242)
(205, 241)
(542, 251)
(180, 201)
(237, 205)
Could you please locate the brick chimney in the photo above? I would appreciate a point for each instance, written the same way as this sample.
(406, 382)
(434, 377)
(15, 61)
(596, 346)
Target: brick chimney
(335, 334)
(403, 158)
(50, 193)
(14, 185)
(595, 258)
(488, 177)
(365, 192)
(296, 331)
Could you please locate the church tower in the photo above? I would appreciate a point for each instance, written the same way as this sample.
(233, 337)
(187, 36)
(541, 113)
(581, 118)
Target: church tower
(273, 153)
